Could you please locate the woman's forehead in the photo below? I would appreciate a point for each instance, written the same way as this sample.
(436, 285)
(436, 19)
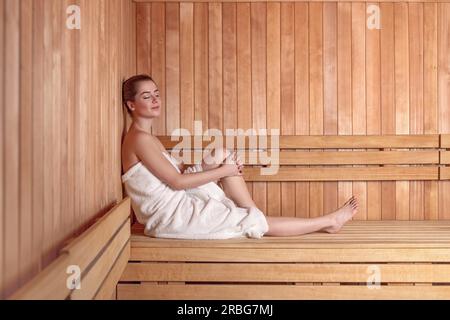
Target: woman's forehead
(147, 86)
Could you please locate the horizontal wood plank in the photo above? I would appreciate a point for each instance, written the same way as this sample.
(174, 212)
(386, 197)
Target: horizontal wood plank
(84, 249)
(445, 157)
(445, 141)
(274, 292)
(310, 142)
(350, 253)
(92, 280)
(325, 157)
(444, 173)
(252, 174)
(49, 284)
(108, 287)
(194, 1)
(276, 272)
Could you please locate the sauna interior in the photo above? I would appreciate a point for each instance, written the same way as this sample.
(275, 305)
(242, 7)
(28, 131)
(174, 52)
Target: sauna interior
(344, 77)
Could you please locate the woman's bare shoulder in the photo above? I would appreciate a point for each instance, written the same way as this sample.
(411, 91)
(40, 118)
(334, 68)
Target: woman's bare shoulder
(133, 140)
(136, 138)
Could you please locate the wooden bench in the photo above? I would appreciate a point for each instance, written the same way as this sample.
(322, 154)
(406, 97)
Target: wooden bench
(99, 255)
(365, 260)
(412, 259)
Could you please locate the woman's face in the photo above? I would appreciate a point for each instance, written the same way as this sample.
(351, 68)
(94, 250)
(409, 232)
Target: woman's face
(147, 102)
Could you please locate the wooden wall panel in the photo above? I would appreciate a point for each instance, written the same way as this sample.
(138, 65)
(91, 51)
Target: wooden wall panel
(430, 121)
(373, 111)
(344, 105)
(444, 95)
(274, 93)
(62, 122)
(330, 189)
(287, 96)
(258, 15)
(243, 57)
(302, 96)
(315, 68)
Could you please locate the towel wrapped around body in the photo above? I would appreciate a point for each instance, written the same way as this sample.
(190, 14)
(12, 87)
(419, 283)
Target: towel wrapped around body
(204, 212)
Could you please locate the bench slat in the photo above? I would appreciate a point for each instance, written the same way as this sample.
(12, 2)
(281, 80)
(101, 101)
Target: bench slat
(445, 141)
(84, 249)
(329, 157)
(108, 287)
(49, 284)
(92, 281)
(284, 292)
(323, 142)
(295, 253)
(244, 272)
(445, 157)
(344, 174)
(444, 173)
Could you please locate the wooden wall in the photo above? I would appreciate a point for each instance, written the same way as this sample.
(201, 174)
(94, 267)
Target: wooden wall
(61, 123)
(307, 68)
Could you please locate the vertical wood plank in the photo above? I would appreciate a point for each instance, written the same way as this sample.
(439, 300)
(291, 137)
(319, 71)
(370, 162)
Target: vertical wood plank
(359, 110)
(11, 145)
(187, 83)
(444, 95)
(215, 59)
(103, 94)
(287, 97)
(201, 43)
(26, 145)
(373, 105)
(172, 67)
(330, 188)
(316, 94)
(344, 85)
(401, 98)
(229, 67)
(258, 88)
(243, 56)
(2, 101)
(415, 27)
(143, 32)
(302, 96)
(430, 45)
(387, 100)
(158, 55)
(274, 93)
(38, 129)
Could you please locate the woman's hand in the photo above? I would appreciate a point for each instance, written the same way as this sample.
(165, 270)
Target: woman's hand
(232, 165)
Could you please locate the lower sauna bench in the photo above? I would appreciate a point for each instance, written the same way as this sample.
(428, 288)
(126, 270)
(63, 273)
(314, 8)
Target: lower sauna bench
(365, 260)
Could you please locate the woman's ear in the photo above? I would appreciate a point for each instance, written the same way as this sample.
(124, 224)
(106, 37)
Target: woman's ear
(130, 105)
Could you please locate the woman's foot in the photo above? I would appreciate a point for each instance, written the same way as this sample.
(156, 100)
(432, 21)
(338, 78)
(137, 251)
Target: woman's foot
(342, 215)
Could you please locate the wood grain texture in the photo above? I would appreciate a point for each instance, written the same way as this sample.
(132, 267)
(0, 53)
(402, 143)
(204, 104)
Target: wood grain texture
(341, 87)
(62, 127)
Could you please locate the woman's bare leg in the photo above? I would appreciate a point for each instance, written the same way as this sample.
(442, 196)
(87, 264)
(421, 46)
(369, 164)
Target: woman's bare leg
(236, 189)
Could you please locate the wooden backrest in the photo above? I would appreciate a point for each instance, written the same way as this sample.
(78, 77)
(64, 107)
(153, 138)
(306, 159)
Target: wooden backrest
(334, 158)
(100, 254)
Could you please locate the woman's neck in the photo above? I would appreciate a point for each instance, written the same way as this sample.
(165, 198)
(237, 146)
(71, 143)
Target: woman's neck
(143, 125)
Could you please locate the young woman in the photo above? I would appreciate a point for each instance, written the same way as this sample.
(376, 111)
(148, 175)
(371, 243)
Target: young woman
(177, 202)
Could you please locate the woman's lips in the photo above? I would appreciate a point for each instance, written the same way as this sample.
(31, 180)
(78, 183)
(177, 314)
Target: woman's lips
(157, 107)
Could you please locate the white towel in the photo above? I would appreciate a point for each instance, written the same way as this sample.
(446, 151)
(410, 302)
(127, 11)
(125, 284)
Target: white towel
(204, 212)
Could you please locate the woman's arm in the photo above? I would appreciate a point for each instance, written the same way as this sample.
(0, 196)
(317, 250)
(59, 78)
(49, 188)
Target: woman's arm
(151, 156)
